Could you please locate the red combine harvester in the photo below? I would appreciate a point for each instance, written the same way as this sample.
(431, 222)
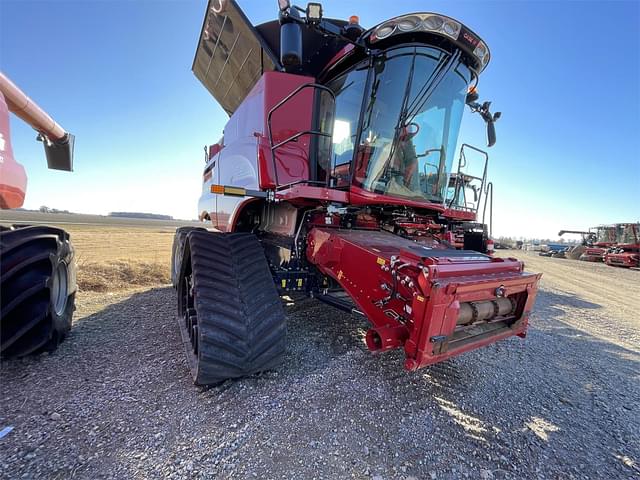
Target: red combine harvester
(595, 242)
(626, 252)
(37, 269)
(332, 180)
(601, 238)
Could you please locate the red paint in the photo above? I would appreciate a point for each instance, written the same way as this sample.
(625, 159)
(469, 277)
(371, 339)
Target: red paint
(360, 196)
(627, 259)
(428, 305)
(301, 194)
(13, 179)
(411, 296)
(292, 159)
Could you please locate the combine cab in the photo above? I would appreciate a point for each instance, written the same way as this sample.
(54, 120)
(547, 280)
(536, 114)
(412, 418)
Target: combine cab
(333, 180)
(626, 252)
(37, 271)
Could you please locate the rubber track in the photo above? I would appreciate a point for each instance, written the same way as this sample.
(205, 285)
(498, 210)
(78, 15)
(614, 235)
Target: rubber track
(177, 250)
(240, 317)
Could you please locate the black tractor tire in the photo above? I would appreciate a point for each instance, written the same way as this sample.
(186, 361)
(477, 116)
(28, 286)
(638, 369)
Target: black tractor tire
(177, 250)
(37, 289)
(231, 316)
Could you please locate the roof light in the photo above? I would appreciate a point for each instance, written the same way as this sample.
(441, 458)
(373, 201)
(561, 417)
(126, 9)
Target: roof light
(433, 22)
(354, 20)
(314, 13)
(407, 24)
(385, 30)
(437, 24)
(452, 29)
(482, 53)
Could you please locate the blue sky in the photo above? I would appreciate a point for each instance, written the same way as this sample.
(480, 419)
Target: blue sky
(117, 74)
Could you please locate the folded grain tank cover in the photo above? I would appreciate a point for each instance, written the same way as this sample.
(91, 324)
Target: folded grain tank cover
(231, 55)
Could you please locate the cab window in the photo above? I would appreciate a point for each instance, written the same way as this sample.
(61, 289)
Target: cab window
(348, 89)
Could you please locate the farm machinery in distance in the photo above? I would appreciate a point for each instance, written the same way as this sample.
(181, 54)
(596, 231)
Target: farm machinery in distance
(595, 242)
(626, 251)
(617, 245)
(37, 269)
(334, 179)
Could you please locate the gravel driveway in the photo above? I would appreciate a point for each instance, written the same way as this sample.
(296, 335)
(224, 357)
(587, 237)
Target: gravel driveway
(116, 400)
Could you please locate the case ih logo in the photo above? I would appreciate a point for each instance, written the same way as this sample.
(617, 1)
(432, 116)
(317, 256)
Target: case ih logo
(470, 39)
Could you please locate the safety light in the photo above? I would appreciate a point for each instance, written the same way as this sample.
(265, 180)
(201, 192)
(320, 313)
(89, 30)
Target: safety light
(284, 5)
(354, 20)
(314, 13)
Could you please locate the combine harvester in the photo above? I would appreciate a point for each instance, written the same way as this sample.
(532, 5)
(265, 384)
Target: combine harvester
(37, 269)
(595, 243)
(626, 252)
(331, 180)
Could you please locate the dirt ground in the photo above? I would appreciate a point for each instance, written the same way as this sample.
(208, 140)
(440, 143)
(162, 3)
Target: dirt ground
(116, 400)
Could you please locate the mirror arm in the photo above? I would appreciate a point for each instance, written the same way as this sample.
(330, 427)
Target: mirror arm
(487, 116)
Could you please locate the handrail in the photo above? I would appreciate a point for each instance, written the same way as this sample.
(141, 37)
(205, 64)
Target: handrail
(462, 162)
(488, 191)
(299, 134)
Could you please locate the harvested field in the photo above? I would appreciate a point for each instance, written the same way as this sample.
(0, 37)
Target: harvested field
(116, 400)
(111, 258)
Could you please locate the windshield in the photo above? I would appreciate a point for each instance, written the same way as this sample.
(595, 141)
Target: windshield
(411, 123)
(627, 233)
(606, 235)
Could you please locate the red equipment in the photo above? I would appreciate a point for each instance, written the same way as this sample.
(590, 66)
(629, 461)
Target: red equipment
(37, 272)
(601, 239)
(334, 179)
(626, 252)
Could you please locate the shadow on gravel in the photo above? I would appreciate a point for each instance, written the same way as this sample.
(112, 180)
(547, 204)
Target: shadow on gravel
(561, 403)
(556, 300)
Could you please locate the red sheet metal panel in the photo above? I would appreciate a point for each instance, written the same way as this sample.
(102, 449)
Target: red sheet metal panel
(13, 180)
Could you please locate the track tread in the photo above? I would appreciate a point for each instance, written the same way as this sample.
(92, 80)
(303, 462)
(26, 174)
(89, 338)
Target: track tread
(241, 322)
(176, 251)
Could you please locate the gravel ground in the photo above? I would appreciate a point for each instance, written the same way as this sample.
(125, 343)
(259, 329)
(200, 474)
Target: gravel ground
(116, 400)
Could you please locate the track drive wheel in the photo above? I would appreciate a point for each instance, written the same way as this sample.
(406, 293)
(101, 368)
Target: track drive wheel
(38, 287)
(230, 314)
(177, 250)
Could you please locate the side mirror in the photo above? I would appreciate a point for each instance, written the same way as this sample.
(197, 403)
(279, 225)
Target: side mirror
(491, 133)
(290, 38)
(214, 149)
